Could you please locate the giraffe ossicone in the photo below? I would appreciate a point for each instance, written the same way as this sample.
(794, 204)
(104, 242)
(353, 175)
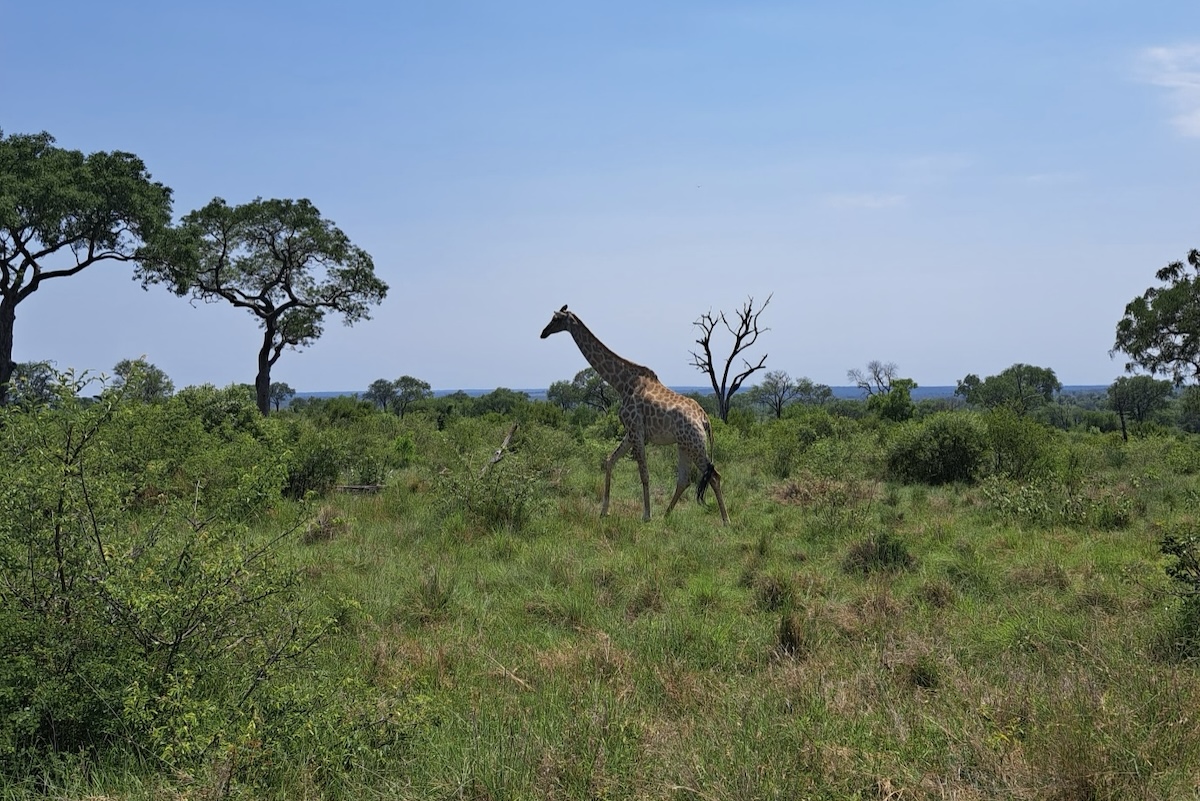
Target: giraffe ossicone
(651, 413)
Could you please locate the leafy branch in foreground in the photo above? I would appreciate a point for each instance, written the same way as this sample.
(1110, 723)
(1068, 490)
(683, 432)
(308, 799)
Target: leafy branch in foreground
(154, 622)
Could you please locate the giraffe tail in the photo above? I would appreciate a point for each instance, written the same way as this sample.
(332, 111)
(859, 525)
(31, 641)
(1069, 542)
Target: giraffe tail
(707, 476)
(705, 479)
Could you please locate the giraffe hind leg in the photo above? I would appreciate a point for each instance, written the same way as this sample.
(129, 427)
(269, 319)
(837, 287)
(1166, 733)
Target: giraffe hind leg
(712, 478)
(681, 479)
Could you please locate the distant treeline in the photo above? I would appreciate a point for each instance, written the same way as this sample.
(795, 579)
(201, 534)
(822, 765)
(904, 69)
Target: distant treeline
(918, 393)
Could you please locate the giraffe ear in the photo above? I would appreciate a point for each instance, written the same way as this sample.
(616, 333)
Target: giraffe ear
(564, 308)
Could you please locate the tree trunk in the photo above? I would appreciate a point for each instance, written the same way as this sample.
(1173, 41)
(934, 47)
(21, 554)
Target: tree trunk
(262, 381)
(8, 319)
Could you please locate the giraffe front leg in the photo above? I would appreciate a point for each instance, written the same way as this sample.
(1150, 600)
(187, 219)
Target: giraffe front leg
(639, 453)
(608, 465)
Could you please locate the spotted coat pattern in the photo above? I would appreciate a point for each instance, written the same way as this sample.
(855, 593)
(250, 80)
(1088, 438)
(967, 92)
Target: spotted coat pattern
(651, 413)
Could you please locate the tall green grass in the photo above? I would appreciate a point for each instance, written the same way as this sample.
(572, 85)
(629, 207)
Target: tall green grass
(844, 637)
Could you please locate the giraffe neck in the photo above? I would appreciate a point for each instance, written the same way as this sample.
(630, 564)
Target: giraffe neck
(620, 373)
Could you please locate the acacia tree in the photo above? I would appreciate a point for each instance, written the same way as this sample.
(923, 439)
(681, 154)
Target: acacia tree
(587, 388)
(1021, 387)
(381, 392)
(1160, 331)
(60, 213)
(1138, 397)
(745, 334)
(409, 390)
(282, 262)
(776, 391)
(280, 392)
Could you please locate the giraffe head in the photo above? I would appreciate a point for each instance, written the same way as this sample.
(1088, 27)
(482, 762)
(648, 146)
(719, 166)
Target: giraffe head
(561, 321)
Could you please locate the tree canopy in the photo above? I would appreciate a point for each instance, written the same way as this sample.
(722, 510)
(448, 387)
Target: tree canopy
(280, 392)
(1137, 397)
(1160, 331)
(775, 391)
(381, 392)
(587, 388)
(279, 260)
(409, 390)
(142, 381)
(896, 403)
(1021, 387)
(61, 212)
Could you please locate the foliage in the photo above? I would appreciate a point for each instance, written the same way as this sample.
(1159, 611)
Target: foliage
(587, 388)
(1139, 396)
(61, 212)
(381, 393)
(1046, 502)
(280, 392)
(895, 404)
(502, 401)
(314, 462)
(1160, 330)
(1022, 387)
(776, 391)
(1182, 549)
(139, 380)
(1020, 447)
(159, 629)
(33, 383)
(408, 391)
(229, 410)
(487, 494)
(278, 260)
(1026, 629)
(943, 448)
(1188, 409)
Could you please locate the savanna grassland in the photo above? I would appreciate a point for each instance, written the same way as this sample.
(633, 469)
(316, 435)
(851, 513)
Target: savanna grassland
(966, 605)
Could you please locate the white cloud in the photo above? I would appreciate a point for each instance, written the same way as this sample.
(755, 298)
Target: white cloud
(1177, 69)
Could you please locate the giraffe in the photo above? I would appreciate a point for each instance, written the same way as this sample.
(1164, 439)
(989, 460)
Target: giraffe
(651, 413)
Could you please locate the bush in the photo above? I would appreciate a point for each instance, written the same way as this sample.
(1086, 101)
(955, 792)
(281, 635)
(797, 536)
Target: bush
(1020, 447)
(943, 448)
(1183, 568)
(314, 462)
(157, 630)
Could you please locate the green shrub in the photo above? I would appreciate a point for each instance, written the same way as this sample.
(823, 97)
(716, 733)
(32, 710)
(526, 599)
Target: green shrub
(314, 462)
(941, 449)
(1020, 447)
(157, 630)
(1182, 549)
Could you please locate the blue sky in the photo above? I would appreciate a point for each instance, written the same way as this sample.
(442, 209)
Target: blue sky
(950, 186)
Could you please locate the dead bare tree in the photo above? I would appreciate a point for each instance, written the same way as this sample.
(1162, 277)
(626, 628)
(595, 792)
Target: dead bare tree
(745, 334)
(878, 378)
